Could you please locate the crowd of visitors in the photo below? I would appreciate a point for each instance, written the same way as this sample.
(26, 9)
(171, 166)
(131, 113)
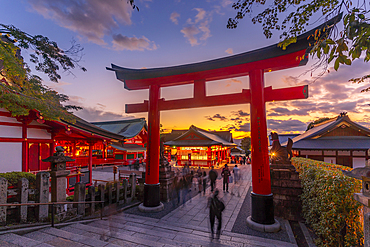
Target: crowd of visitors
(188, 182)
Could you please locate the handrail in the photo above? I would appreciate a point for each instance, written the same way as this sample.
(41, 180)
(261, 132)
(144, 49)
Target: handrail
(45, 203)
(53, 206)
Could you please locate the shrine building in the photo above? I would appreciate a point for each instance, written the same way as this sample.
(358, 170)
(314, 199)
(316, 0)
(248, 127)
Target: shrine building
(198, 147)
(338, 140)
(26, 140)
(135, 133)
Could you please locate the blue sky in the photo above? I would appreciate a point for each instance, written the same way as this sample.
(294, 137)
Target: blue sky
(166, 33)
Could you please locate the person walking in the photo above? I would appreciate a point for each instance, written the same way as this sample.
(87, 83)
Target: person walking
(236, 172)
(225, 175)
(185, 189)
(176, 191)
(204, 180)
(236, 186)
(216, 206)
(212, 177)
(199, 179)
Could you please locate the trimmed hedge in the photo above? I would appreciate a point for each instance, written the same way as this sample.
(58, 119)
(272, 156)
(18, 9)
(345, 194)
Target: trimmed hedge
(14, 177)
(328, 204)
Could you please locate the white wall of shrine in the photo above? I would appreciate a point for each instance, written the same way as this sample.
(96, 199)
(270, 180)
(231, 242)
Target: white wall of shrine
(332, 160)
(38, 133)
(11, 151)
(11, 156)
(358, 162)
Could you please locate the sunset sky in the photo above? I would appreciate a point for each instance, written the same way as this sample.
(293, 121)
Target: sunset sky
(174, 32)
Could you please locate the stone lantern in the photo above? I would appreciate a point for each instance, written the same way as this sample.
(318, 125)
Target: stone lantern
(58, 174)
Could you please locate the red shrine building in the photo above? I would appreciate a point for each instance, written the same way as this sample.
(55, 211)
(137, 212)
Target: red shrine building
(135, 133)
(198, 147)
(338, 140)
(26, 140)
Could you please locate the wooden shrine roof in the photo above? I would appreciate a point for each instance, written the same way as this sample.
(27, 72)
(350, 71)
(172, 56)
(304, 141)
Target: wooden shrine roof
(337, 133)
(199, 137)
(128, 128)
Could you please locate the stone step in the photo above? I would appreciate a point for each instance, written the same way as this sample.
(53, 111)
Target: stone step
(166, 233)
(11, 239)
(233, 239)
(75, 239)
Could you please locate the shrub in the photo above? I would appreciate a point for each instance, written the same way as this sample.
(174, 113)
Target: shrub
(328, 204)
(14, 177)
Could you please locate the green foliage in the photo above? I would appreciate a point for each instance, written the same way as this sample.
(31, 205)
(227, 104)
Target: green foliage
(14, 177)
(341, 46)
(20, 91)
(246, 144)
(70, 198)
(328, 204)
(320, 120)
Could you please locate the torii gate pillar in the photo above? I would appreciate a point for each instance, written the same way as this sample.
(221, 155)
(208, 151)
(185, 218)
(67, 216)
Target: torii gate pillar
(151, 186)
(262, 198)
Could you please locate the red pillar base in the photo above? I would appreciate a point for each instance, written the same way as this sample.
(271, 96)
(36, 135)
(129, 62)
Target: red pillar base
(151, 195)
(262, 209)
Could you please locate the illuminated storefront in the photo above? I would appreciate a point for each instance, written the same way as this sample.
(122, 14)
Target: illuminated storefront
(198, 147)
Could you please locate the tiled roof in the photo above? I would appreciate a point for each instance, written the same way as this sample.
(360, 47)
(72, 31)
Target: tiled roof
(210, 138)
(128, 128)
(312, 139)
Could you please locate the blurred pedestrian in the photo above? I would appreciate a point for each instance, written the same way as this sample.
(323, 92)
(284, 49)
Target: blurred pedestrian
(199, 179)
(176, 191)
(185, 189)
(212, 177)
(204, 180)
(225, 175)
(236, 172)
(216, 206)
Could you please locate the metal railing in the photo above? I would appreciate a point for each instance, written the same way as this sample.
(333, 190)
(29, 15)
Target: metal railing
(53, 206)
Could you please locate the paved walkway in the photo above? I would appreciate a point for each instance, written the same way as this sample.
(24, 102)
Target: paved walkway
(191, 221)
(184, 226)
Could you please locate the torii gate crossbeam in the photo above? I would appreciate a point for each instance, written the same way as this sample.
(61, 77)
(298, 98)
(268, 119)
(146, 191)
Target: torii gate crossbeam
(254, 64)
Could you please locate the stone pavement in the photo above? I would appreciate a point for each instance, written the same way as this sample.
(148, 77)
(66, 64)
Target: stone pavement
(184, 226)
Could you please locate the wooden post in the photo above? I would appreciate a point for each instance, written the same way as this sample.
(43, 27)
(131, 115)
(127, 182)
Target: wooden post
(91, 192)
(116, 187)
(101, 189)
(42, 186)
(124, 185)
(90, 161)
(110, 194)
(151, 186)
(3, 199)
(262, 199)
(23, 198)
(79, 196)
(133, 185)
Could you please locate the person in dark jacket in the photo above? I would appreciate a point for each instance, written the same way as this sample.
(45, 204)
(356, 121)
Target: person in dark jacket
(204, 182)
(212, 177)
(216, 206)
(225, 175)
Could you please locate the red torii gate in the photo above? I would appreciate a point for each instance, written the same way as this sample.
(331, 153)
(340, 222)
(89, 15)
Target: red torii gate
(254, 64)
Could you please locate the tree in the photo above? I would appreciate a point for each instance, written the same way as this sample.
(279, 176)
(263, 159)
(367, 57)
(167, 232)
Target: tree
(21, 91)
(320, 120)
(341, 46)
(246, 144)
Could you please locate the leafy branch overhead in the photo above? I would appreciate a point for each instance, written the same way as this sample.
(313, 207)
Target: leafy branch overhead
(342, 46)
(20, 90)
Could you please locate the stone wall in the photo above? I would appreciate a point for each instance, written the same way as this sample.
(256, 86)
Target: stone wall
(165, 179)
(115, 194)
(286, 188)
